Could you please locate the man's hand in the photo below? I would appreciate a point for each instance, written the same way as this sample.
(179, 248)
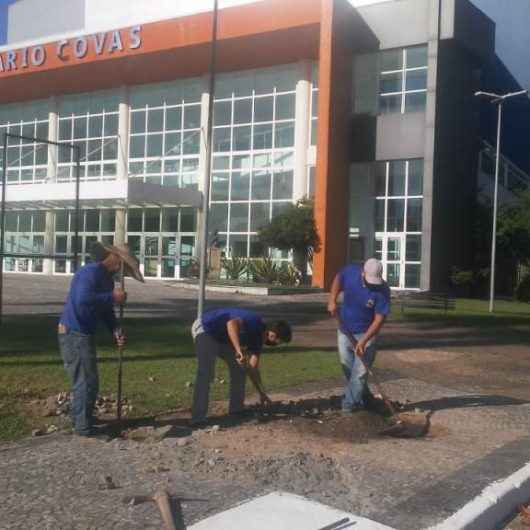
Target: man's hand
(360, 347)
(240, 358)
(332, 308)
(119, 296)
(120, 338)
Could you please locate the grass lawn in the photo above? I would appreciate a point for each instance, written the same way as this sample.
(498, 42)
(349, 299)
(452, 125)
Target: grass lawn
(31, 368)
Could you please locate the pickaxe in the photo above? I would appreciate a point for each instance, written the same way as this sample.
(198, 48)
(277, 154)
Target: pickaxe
(163, 501)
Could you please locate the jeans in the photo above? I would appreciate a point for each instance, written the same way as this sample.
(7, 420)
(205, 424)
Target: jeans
(207, 350)
(79, 356)
(356, 389)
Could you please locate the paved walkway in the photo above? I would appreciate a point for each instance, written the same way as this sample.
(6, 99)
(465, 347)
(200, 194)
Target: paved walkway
(476, 382)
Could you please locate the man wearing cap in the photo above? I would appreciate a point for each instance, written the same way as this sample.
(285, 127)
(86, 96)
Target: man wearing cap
(237, 336)
(90, 300)
(366, 304)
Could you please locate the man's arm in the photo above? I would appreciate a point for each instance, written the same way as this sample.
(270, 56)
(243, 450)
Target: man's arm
(233, 327)
(372, 331)
(336, 288)
(255, 377)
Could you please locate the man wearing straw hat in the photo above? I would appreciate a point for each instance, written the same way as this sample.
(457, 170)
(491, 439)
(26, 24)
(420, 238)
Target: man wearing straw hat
(91, 300)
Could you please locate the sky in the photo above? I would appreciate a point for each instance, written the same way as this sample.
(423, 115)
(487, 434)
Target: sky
(511, 17)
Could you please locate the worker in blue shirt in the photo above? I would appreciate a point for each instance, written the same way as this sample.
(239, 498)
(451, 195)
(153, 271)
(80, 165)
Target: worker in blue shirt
(237, 336)
(366, 304)
(91, 299)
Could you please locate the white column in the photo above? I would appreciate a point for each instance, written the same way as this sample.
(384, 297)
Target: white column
(122, 173)
(301, 130)
(205, 105)
(53, 136)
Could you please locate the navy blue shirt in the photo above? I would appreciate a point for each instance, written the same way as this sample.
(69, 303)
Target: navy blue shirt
(89, 300)
(361, 302)
(251, 335)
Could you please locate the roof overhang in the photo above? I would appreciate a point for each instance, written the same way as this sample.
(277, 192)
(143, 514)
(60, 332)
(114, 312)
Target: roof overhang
(98, 194)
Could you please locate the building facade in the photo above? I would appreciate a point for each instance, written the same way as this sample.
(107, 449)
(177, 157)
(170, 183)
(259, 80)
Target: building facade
(368, 109)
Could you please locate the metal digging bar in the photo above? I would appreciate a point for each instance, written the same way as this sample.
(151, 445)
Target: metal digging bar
(120, 348)
(3, 254)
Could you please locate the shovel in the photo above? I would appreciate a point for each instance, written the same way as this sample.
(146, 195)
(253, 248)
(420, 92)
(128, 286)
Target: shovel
(409, 426)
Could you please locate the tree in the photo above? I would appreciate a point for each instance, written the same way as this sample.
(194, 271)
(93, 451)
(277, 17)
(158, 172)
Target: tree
(294, 229)
(514, 229)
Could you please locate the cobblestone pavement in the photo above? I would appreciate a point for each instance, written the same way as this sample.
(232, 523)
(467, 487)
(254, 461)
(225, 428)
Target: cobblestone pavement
(476, 382)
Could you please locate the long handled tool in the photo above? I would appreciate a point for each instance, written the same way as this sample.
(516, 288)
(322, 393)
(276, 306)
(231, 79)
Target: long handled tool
(413, 425)
(120, 347)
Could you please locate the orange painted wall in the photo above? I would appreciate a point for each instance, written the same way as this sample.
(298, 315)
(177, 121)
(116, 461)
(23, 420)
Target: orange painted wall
(334, 136)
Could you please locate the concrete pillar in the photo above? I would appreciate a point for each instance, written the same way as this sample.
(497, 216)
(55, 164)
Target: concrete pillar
(205, 105)
(53, 136)
(53, 151)
(122, 171)
(301, 130)
(49, 242)
(430, 123)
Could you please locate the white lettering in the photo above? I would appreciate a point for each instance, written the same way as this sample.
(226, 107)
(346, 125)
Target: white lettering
(80, 47)
(61, 45)
(38, 56)
(99, 41)
(11, 59)
(136, 39)
(115, 42)
(24, 63)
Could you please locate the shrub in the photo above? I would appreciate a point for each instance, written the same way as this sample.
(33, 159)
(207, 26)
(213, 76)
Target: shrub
(462, 278)
(235, 267)
(522, 292)
(264, 270)
(289, 275)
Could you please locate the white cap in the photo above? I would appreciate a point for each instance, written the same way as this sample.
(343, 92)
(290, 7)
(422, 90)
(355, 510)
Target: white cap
(373, 271)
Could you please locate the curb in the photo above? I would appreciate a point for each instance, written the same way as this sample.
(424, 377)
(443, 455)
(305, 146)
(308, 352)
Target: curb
(493, 506)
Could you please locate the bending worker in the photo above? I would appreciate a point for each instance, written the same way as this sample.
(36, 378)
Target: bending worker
(362, 315)
(91, 299)
(237, 336)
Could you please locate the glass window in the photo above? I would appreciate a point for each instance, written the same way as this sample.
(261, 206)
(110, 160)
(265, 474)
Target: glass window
(242, 138)
(417, 56)
(380, 215)
(220, 186)
(221, 139)
(412, 276)
(187, 220)
(92, 221)
(284, 135)
(416, 80)
(391, 83)
(134, 220)
(414, 212)
(108, 218)
(219, 217)
(391, 60)
(263, 136)
(392, 274)
(263, 109)
(222, 113)
(239, 217)
(415, 184)
(283, 185)
(415, 102)
(413, 252)
(192, 117)
(155, 120)
(389, 104)
(285, 106)
(395, 215)
(261, 185)
(240, 186)
(243, 111)
(396, 179)
(259, 215)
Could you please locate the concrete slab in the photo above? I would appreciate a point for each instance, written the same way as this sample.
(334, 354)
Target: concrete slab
(284, 511)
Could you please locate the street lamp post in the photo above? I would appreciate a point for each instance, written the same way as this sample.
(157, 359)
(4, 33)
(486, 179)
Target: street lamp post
(496, 99)
(207, 167)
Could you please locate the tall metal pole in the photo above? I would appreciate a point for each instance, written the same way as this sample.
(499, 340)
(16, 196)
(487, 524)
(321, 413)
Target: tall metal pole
(3, 226)
(495, 202)
(207, 167)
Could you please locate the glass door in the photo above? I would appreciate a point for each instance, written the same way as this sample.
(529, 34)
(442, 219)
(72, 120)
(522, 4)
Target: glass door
(185, 257)
(389, 249)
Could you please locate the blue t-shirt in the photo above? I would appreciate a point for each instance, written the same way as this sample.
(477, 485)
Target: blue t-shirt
(89, 300)
(251, 335)
(361, 303)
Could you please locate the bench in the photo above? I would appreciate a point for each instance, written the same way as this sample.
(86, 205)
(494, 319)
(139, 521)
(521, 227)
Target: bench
(426, 300)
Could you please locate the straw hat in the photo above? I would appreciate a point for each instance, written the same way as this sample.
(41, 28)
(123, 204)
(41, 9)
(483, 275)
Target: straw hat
(131, 265)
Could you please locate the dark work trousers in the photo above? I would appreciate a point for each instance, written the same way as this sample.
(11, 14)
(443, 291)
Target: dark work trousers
(79, 356)
(207, 349)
